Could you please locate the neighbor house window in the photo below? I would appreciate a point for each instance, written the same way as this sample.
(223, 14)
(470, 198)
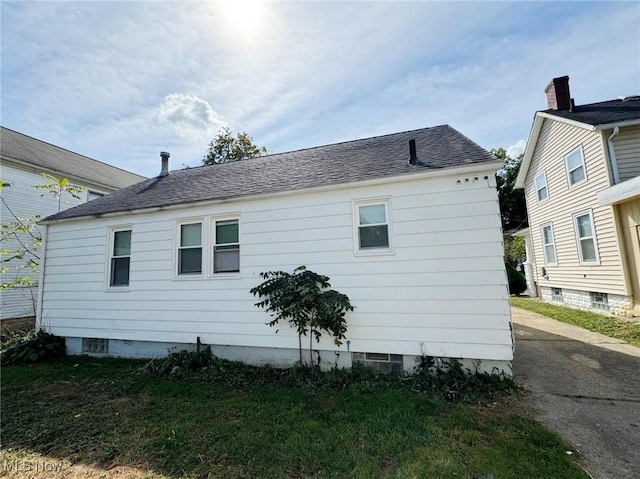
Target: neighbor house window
(120, 258)
(586, 237)
(556, 294)
(93, 195)
(541, 187)
(372, 224)
(576, 172)
(190, 249)
(226, 249)
(548, 245)
(600, 301)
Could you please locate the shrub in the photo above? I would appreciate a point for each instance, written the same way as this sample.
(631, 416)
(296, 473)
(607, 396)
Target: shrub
(32, 348)
(180, 364)
(517, 281)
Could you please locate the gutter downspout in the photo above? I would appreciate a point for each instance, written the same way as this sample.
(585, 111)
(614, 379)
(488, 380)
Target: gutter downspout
(612, 156)
(43, 248)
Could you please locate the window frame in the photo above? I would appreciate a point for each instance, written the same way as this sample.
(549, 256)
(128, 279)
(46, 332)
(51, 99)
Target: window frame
(599, 301)
(594, 238)
(556, 295)
(582, 164)
(178, 247)
(212, 247)
(356, 205)
(544, 245)
(112, 230)
(542, 174)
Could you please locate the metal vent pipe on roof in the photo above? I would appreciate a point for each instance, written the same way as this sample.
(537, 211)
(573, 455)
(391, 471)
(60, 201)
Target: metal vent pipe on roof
(413, 157)
(165, 163)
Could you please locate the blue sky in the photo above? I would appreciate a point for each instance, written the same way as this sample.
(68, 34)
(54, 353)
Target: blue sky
(122, 81)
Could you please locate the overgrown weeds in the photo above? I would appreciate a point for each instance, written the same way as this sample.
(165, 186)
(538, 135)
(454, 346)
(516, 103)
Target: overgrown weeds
(433, 377)
(31, 348)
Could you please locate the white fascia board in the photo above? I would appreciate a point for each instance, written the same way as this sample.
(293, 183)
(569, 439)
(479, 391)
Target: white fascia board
(522, 232)
(528, 151)
(474, 168)
(579, 124)
(620, 193)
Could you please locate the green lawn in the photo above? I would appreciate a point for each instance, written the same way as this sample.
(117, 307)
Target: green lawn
(96, 416)
(599, 323)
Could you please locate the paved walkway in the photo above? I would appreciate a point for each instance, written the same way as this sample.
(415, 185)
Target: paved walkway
(586, 387)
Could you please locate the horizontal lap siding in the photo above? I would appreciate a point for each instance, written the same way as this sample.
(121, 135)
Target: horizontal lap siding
(627, 149)
(444, 286)
(555, 141)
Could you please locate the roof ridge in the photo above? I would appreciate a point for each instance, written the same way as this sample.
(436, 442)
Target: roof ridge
(323, 146)
(73, 152)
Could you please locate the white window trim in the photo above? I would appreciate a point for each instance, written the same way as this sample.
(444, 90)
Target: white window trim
(566, 167)
(356, 204)
(546, 187)
(544, 249)
(176, 248)
(210, 247)
(111, 231)
(595, 238)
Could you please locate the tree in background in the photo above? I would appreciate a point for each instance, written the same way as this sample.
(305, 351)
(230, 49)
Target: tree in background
(225, 148)
(513, 209)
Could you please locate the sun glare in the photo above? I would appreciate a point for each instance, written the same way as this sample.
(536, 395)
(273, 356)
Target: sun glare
(244, 16)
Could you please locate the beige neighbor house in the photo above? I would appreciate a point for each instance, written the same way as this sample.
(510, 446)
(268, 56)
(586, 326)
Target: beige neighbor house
(23, 159)
(581, 176)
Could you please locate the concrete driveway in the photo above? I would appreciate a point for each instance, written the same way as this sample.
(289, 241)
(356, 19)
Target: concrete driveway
(585, 387)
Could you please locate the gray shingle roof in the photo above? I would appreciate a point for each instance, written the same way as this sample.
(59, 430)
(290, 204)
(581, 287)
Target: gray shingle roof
(340, 163)
(25, 149)
(602, 113)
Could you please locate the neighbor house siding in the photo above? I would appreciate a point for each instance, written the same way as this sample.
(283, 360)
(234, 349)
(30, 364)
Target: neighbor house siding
(25, 200)
(556, 140)
(442, 292)
(627, 149)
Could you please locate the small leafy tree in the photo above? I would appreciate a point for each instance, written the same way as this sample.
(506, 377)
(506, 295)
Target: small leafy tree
(225, 148)
(304, 300)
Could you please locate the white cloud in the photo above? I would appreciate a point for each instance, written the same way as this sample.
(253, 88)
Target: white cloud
(189, 116)
(516, 149)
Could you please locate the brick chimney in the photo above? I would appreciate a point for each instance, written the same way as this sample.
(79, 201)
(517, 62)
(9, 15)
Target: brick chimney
(558, 96)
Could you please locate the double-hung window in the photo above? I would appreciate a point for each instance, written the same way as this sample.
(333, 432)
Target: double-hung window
(120, 260)
(548, 245)
(586, 237)
(372, 226)
(226, 249)
(190, 249)
(541, 187)
(576, 172)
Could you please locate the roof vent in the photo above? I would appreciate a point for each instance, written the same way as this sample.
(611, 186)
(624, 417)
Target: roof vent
(413, 157)
(165, 163)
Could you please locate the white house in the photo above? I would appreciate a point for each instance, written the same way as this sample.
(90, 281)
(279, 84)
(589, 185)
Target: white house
(23, 159)
(407, 225)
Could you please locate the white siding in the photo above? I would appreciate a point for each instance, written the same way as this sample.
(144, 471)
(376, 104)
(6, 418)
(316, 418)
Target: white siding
(24, 201)
(443, 287)
(556, 140)
(627, 149)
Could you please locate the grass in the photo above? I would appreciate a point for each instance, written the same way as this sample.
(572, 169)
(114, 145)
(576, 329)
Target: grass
(609, 326)
(107, 418)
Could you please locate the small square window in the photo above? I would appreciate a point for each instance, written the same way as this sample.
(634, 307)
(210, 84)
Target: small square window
(377, 357)
(95, 345)
(576, 172)
(541, 187)
(600, 301)
(556, 294)
(372, 227)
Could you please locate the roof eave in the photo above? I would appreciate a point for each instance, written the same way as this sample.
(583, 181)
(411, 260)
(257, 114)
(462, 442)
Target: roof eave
(619, 124)
(538, 119)
(452, 171)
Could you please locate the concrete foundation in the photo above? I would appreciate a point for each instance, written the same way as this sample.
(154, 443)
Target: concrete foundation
(283, 358)
(618, 305)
